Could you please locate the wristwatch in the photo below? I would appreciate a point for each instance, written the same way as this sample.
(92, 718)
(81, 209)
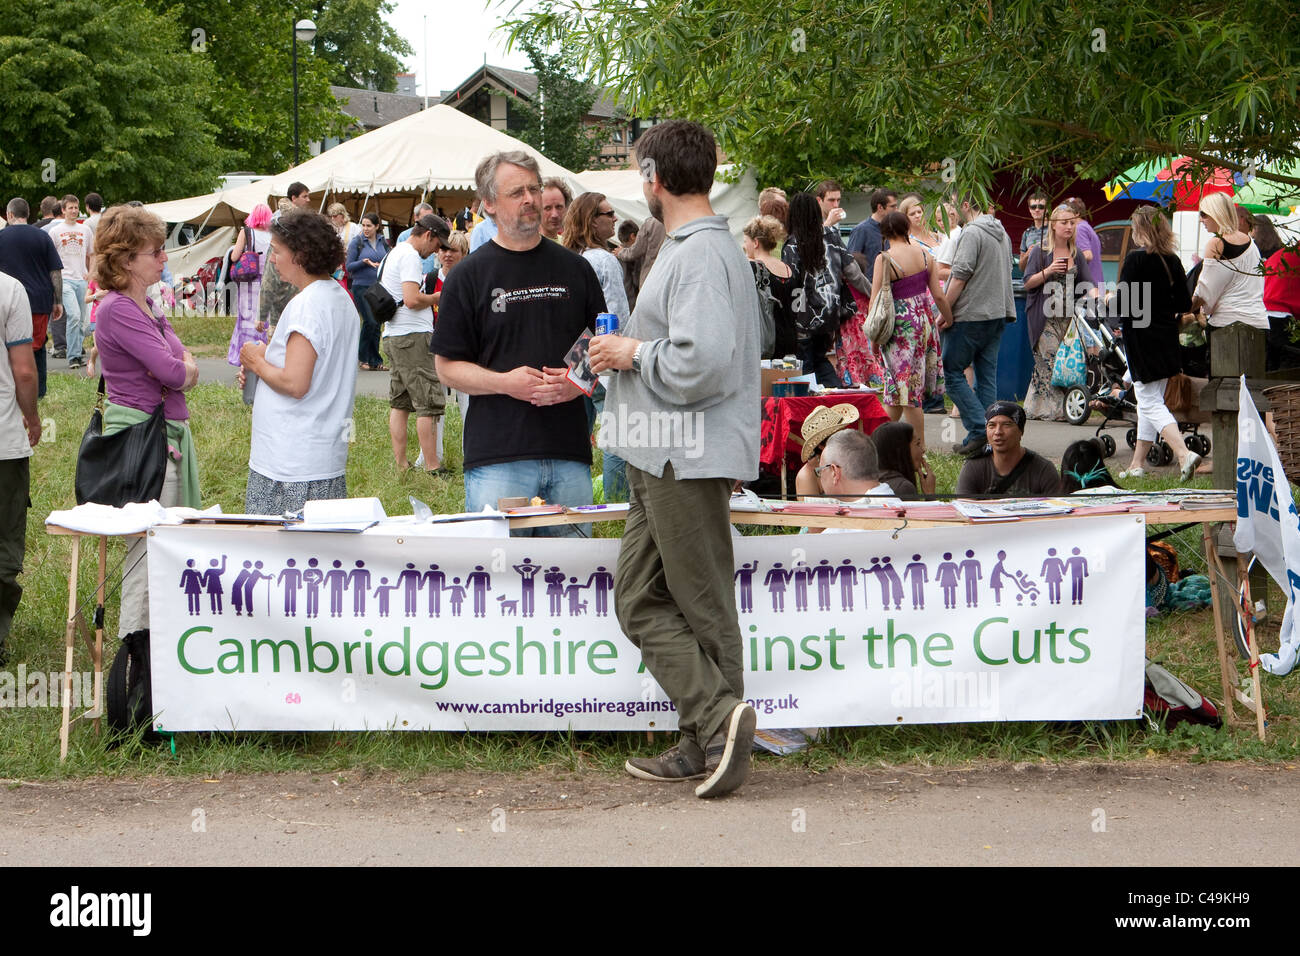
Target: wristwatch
(636, 357)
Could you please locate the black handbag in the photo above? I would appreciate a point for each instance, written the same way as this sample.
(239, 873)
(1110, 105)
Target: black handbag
(128, 465)
(382, 305)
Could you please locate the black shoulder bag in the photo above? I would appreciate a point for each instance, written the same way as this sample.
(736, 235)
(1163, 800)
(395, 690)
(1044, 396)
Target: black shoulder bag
(382, 305)
(128, 465)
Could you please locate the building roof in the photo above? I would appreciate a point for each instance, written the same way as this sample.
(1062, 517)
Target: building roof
(522, 84)
(372, 109)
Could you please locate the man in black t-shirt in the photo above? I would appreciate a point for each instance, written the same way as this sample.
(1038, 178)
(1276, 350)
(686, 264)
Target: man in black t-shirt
(30, 256)
(508, 316)
(1009, 470)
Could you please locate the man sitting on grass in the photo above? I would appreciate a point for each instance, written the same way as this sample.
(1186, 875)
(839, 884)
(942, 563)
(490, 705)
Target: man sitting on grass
(1011, 471)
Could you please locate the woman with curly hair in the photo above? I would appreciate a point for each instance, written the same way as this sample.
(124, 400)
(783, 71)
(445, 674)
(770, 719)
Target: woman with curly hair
(302, 412)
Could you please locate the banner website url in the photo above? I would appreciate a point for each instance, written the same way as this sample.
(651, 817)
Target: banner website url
(1203, 923)
(561, 708)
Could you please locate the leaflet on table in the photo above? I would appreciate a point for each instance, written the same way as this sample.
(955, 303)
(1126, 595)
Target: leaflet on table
(1010, 509)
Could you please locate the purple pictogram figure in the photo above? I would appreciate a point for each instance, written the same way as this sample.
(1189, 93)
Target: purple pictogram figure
(603, 583)
(823, 572)
(801, 575)
(237, 589)
(848, 576)
(877, 572)
(554, 579)
(1053, 572)
(381, 595)
(918, 575)
(359, 584)
(337, 579)
(997, 576)
(947, 576)
(409, 579)
(212, 582)
(290, 580)
(891, 578)
(192, 585)
(1078, 566)
(456, 596)
(434, 582)
(527, 571)
(574, 593)
(256, 577)
(746, 578)
(480, 582)
(311, 579)
(970, 569)
(775, 581)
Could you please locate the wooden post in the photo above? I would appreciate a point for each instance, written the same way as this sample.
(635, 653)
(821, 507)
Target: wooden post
(1235, 350)
(69, 637)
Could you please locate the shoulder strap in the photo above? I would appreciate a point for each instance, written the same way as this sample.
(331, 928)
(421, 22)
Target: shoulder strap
(1004, 482)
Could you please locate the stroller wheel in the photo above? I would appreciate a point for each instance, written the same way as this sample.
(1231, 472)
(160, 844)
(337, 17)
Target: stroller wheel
(1108, 445)
(1075, 406)
(1132, 437)
(1199, 444)
(1160, 453)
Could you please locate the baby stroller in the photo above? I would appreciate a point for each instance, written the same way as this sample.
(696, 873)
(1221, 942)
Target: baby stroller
(1107, 367)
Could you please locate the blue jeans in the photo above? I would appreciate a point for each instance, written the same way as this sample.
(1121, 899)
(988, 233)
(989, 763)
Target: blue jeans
(74, 307)
(972, 345)
(557, 481)
(368, 343)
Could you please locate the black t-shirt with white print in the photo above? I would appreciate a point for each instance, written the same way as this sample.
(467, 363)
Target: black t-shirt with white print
(502, 309)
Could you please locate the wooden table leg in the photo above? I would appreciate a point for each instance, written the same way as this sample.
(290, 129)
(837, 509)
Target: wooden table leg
(68, 638)
(99, 631)
(1225, 666)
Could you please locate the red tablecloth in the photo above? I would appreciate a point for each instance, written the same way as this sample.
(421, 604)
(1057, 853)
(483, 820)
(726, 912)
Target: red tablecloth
(783, 416)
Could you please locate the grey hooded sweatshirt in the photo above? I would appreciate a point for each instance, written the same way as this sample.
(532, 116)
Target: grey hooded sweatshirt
(983, 260)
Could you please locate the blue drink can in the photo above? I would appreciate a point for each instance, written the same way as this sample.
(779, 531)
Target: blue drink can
(607, 323)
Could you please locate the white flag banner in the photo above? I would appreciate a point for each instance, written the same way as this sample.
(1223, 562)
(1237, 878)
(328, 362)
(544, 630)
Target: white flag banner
(1267, 521)
(268, 630)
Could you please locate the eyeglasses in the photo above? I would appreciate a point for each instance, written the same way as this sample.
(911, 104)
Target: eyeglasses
(830, 464)
(159, 253)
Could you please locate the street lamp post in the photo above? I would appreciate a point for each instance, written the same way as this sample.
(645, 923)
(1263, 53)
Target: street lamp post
(305, 31)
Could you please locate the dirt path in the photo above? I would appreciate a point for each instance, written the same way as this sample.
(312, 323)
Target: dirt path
(1170, 814)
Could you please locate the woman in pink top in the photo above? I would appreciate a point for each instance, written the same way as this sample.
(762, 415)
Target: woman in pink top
(144, 364)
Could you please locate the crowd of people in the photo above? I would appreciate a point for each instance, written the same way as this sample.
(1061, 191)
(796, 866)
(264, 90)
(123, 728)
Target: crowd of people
(487, 306)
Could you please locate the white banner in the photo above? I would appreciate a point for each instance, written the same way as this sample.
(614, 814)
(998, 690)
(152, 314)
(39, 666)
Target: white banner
(271, 630)
(1267, 522)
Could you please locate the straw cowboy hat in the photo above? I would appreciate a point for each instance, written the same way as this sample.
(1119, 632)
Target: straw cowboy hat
(824, 422)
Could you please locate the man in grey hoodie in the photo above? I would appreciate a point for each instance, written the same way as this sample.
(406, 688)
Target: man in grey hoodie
(979, 292)
(682, 410)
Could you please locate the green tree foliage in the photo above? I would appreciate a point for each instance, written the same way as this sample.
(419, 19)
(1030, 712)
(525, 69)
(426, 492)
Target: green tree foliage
(907, 92)
(554, 123)
(250, 45)
(358, 44)
(89, 106)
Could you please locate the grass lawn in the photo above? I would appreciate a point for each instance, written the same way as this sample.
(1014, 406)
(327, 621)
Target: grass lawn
(29, 737)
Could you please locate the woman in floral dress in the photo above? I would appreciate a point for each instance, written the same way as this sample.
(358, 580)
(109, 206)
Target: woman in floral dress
(909, 366)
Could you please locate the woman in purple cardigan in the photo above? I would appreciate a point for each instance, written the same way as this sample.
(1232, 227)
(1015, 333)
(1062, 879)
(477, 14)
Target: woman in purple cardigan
(143, 364)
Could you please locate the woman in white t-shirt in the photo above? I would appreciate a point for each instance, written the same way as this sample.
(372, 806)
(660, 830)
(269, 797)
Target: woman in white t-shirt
(302, 413)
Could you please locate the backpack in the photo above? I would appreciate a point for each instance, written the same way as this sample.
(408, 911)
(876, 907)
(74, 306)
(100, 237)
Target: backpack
(128, 698)
(1169, 699)
(382, 305)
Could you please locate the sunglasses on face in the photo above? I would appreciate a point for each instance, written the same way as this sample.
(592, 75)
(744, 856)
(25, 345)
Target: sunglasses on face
(1037, 205)
(610, 213)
